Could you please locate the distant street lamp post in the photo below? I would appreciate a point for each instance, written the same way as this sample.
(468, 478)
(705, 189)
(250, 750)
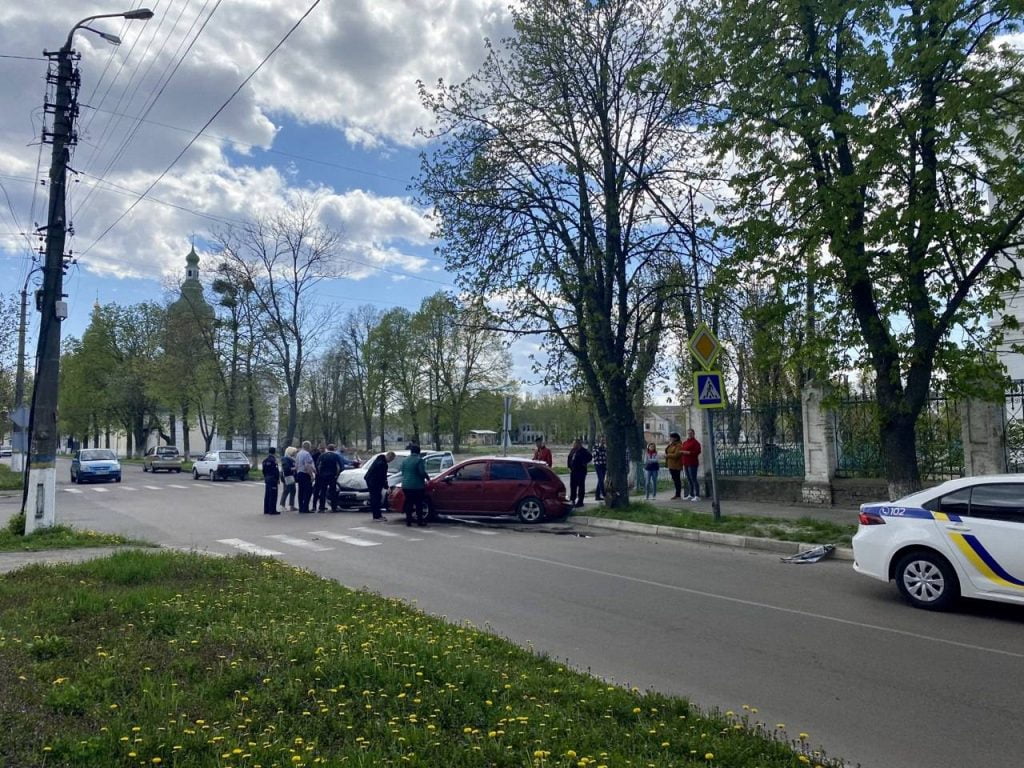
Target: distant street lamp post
(38, 501)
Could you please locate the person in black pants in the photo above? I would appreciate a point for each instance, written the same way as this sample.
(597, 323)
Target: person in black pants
(271, 476)
(600, 467)
(325, 490)
(377, 481)
(579, 458)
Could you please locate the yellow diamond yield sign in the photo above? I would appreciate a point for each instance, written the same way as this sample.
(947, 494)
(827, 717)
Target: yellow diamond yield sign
(705, 346)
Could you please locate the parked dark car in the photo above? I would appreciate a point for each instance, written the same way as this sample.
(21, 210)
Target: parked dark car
(493, 485)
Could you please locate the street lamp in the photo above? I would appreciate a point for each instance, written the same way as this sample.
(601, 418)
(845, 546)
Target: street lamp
(38, 501)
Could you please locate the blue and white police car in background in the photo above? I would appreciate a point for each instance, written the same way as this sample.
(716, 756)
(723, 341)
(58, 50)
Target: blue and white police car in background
(964, 537)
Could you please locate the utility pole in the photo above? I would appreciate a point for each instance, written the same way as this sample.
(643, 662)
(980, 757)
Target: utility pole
(41, 487)
(18, 443)
(39, 499)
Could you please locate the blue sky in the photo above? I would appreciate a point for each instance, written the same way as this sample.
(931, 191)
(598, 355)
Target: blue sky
(336, 109)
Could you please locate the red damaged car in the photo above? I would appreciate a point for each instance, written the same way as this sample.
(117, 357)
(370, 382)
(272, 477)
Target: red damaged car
(493, 485)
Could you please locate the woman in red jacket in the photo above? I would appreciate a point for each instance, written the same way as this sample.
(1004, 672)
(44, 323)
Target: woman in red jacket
(691, 459)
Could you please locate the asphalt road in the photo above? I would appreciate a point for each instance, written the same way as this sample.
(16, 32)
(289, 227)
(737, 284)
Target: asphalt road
(814, 647)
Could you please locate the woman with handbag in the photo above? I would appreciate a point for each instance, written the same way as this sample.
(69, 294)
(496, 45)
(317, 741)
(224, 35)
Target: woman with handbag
(288, 478)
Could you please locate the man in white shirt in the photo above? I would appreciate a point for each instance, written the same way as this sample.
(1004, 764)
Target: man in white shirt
(304, 474)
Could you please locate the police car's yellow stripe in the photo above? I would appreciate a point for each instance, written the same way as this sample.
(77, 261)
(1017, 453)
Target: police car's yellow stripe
(941, 516)
(969, 551)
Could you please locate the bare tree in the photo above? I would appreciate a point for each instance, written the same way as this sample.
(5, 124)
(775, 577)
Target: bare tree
(280, 259)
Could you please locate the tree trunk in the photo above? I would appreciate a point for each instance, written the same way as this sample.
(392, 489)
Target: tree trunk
(897, 436)
(293, 414)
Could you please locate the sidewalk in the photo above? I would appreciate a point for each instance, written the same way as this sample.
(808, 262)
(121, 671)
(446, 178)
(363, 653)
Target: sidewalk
(727, 507)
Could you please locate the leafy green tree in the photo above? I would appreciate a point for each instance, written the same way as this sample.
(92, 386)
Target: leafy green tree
(880, 139)
(396, 338)
(363, 359)
(464, 357)
(556, 173)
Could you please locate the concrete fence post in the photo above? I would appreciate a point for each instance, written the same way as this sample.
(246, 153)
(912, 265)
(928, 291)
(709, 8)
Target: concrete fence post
(983, 432)
(819, 447)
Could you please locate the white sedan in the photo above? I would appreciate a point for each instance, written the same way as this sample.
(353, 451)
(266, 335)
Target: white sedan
(352, 490)
(964, 537)
(220, 465)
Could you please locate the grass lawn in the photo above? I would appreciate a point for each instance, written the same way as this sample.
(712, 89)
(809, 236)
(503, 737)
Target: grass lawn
(145, 659)
(10, 481)
(805, 529)
(12, 539)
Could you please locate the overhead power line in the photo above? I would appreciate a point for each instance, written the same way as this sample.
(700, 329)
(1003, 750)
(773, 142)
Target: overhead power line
(206, 125)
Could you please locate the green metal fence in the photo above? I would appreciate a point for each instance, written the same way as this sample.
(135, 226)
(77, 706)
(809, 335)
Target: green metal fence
(1014, 426)
(762, 440)
(940, 452)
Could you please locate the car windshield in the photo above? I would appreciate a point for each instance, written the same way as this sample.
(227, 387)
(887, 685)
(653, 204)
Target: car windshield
(166, 451)
(232, 456)
(97, 454)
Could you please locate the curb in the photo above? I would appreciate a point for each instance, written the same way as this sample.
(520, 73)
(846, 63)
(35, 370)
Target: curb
(704, 537)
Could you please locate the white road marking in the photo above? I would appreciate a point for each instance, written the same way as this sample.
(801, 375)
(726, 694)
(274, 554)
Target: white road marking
(756, 604)
(72, 490)
(153, 487)
(353, 540)
(479, 531)
(386, 534)
(171, 485)
(128, 488)
(302, 543)
(101, 490)
(247, 546)
(438, 533)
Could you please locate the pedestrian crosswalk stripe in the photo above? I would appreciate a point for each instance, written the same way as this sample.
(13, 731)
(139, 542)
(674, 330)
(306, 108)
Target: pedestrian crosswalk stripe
(481, 531)
(302, 543)
(386, 534)
(153, 487)
(171, 485)
(252, 549)
(101, 490)
(353, 540)
(73, 490)
(128, 488)
(439, 533)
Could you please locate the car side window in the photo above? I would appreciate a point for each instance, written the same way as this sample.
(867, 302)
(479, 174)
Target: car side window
(507, 470)
(473, 472)
(955, 503)
(998, 502)
(540, 474)
(447, 461)
(432, 465)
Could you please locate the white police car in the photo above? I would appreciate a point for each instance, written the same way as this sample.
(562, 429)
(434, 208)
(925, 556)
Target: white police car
(964, 537)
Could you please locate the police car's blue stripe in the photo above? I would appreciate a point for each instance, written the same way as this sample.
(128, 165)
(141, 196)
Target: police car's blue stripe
(990, 561)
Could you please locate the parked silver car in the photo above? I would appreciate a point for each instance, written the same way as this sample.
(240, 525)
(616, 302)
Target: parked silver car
(165, 457)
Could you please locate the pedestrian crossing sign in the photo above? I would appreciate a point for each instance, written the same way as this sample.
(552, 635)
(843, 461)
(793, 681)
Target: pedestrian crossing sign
(709, 390)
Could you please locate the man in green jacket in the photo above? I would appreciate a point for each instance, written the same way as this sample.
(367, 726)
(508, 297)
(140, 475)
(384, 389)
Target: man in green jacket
(414, 483)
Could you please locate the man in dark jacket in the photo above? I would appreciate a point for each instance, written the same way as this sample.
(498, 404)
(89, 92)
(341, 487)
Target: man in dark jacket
(377, 481)
(326, 488)
(271, 476)
(579, 458)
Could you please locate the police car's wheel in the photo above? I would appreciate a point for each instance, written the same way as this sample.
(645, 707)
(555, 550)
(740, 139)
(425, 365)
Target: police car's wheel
(927, 580)
(530, 510)
(195, 473)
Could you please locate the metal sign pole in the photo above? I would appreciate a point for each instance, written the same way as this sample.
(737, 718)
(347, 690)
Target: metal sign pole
(716, 508)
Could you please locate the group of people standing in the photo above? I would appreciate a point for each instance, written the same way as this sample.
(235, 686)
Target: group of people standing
(579, 461)
(308, 472)
(682, 457)
(314, 473)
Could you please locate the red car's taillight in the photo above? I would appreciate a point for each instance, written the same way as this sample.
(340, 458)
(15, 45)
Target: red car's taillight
(871, 518)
